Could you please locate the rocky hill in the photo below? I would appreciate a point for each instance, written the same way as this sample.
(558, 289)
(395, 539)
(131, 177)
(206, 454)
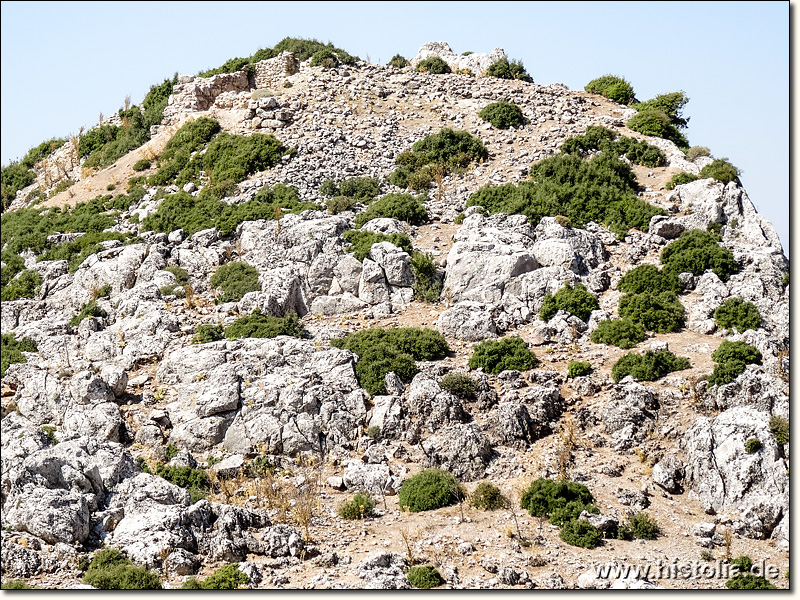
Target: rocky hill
(235, 333)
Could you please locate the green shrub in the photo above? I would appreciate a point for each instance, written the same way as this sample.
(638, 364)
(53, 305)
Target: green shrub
(339, 204)
(258, 325)
(228, 577)
(732, 358)
(662, 313)
(374, 433)
(403, 207)
(488, 497)
(658, 124)
(361, 241)
(235, 279)
(696, 152)
(423, 267)
(752, 445)
(383, 350)
(579, 532)
(744, 579)
(721, 170)
(503, 69)
(141, 165)
(606, 140)
(16, 584)
(429, 490)
(612, 87)
(680, 179)
(785, 280)
(76, 251)
(623, 333)
(433, 64)
(195, 481)
(736, 314)
(360, 188)
(575, 300)
(578, 369)
(361, 506)
(204, 334)
(506, 354)
(503, 115)
(644, 526)
(24, 285)
(13, 178)
(648, 367)
(425, 577)
(670, 104)
(171, 452)
(325, 57)
(695, 252)
(559, 500)
(460, 385)
(602, 189)
(329, 188)
(111, 570)
(398, 61)
(90, 309)
(260, 466)
(780, 429)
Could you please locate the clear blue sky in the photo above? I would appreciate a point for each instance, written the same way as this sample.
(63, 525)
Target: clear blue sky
(63, 63)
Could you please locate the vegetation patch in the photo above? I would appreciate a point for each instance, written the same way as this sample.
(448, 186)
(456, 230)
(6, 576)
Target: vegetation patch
(680, 179)
(744, 579)
(423, 267)
(752, 445)
(576, 301)
(361, 506)
(577, 368)
(507, 354)
(579, 532)
(12, 349)
(460, 385)
(403, 207)
(25, 284)
(737, 315)
(235, 279)
(648, 366)
(362, 241)
(425, 577)
(649, 278)
(228, 577)
(433, 64)
(258, 325)
(503, 115)
(503, 69)
(429, 490)
(383, 350)
(732, 358)
(722, 170)
(560, 500)
(623, 333)
(644, 527)
(599, 138)
(89, 309)
(398, 61)
(195, 481)
(601, 188)
(662, 117)
(207, 333)
(662, 313)
(780, 429)
(612, 87)
(697, 251)
(488, 496)
(111, 570)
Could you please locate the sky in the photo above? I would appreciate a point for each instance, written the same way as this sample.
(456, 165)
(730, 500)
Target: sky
(64, 63)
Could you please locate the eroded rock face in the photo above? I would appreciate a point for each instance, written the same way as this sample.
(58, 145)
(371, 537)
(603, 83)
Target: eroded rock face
(477, 62)
(726, 478)
(461, 449)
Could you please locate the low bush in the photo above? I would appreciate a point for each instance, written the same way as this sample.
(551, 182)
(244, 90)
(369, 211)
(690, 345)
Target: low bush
(16, 584)
(425, 577)
(780, 429)
(329, 188)
(644, 527)
(737, 315)
(258, 325)
(362, 241)
(460, 385)
(579, 532)
(600, 138)
(670, 104)
(697, 251)
(662, 313)
(398, 61)
(578, 369)
(559, 500)
(649, 278)
(228, 577)
(235, 279)
(577, 301)
(744, 579)
(433, 64)
(374, 433)
(360, 507)
(429, 490)
(111, 570)
(260, 466)
(14, 177)
(680, 179)
(623, 333)
(503, 115)
(90, 309)
(752, 445)
(383, 350)
(195, 481)
(696, 152)
(721, 170)
(11, 350)
(403, 207)
(732, 358)
(662, 117)
(426, 287)
(649, 366)
(141, 165)
(488, 496)
(339, 204)
(24, 285)
(326, 58)
(494, 356)
(612, 87)
(503, 69)
(204, 334)
(602, 189)
(362, 189)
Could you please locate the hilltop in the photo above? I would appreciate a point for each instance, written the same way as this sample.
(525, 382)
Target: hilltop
(302, 277)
